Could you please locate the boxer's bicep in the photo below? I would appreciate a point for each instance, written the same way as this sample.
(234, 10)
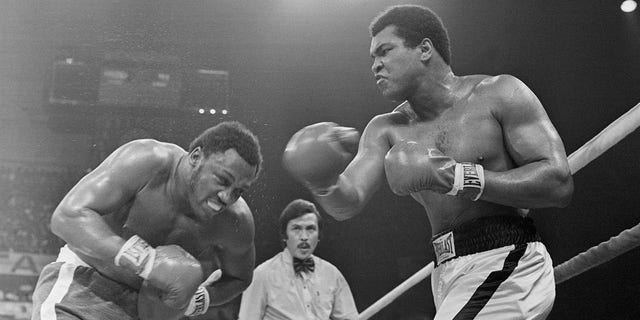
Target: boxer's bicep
(235, 250)
(528, 132)
(114, 182)
(540, 176)
(236, 263)
(365, 173)
(77, 219)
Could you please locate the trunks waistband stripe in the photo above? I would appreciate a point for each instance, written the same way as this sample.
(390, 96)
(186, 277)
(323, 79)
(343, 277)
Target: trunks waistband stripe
(68, 256)
(483, 234)
(71, 258)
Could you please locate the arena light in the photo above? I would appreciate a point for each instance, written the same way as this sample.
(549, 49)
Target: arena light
(224, 111)
(201, 111)
(212, 111)
(628, 5)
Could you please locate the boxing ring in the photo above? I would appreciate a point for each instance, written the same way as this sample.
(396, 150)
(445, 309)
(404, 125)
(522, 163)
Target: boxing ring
(594, 256)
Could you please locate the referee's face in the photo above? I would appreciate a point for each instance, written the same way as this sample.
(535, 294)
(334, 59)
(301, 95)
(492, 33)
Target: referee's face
(302, 235)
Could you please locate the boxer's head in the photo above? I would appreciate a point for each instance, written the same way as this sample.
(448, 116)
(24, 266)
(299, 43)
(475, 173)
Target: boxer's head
(300, 225)
(413, 24)
(230, 135)
(224, 160)
(407, 43)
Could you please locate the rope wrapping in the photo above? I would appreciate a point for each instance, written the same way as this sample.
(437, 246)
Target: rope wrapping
(597, 255)
(629, 238)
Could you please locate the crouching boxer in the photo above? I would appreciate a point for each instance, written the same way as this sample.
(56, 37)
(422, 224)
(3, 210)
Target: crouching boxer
(470, 149)
(144, 229)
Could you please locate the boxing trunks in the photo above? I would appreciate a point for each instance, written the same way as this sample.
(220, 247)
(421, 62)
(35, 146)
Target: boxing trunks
(70, 289)
(492, 268)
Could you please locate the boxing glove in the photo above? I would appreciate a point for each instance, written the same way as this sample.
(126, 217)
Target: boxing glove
(170, 269)
(412, 167)
(200, 301)
(318, 153)
(151, 307)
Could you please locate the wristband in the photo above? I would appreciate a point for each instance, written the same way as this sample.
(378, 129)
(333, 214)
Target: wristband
(468, 181)
(326, 191)
(136, 255)
(199, 303)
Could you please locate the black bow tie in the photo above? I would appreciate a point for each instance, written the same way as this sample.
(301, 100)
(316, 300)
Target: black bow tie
(306, 265)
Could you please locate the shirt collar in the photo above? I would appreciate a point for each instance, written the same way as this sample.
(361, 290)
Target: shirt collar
(287, 260)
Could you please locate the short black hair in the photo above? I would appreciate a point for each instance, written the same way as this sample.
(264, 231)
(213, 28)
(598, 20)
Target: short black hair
(230, 135)
(414, 23)
(296, 209)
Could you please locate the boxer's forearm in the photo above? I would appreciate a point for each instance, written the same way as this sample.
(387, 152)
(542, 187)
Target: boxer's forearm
(86, 232)
(341, 201)
(226, 290)
(535, 185)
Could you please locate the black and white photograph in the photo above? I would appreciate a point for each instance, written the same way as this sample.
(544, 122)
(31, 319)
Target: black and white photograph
(319, 160)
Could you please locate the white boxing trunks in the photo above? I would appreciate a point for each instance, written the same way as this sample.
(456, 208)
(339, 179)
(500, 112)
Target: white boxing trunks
(479, 275)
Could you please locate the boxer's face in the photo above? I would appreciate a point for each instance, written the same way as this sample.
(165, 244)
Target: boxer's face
(396, 67)
(218, 181)
(302, 235)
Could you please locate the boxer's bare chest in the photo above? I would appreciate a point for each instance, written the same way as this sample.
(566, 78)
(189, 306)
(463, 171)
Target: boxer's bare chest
(465, 133)
(154, 216)
(468, 133)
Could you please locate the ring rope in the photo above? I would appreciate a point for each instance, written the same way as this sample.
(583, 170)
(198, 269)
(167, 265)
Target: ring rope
(597, 255)
(396, 292)
(627, 239)
(606, 139)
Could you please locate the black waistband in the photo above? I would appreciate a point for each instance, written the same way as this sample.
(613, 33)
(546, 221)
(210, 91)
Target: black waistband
(483, 234)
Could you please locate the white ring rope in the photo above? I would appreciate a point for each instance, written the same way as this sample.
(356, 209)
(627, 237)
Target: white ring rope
(396, 292)
(627, 239)
(597, 255)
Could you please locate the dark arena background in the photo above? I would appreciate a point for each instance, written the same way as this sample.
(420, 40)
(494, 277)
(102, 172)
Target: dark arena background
(79, 78)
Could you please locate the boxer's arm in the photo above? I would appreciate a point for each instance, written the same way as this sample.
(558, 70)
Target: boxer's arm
(542, 177)
(235, 257)
(362, 177)
(78, 217)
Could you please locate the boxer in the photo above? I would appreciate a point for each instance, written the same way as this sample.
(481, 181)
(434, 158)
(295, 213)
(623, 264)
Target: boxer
(143, 226)
(470, 149)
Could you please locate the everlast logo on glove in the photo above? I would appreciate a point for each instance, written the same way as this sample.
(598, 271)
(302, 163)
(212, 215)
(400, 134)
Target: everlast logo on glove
(471, 178)
(134, 254)
(468, 181)
(199, 303)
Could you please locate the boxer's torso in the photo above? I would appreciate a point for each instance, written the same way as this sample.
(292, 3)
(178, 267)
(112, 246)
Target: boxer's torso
(157, 217)
(468, 132)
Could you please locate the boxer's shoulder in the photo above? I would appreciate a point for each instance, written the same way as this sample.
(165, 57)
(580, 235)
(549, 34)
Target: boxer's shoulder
(499, 86)
(240, 210)
(401, 115)
(146, 155)
(145, 162)
(235, 224)
(150, 150)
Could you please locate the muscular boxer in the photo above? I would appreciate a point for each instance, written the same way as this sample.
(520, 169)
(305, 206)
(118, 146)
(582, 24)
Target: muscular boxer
(470, 149)
(144, 228)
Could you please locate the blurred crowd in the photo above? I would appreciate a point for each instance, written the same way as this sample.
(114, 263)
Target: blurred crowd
(28, 196)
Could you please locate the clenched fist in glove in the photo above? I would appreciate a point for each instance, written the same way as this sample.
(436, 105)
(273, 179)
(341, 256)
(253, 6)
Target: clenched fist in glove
(318, 153)
(170, 270)
(411, 167)
(150, 307)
